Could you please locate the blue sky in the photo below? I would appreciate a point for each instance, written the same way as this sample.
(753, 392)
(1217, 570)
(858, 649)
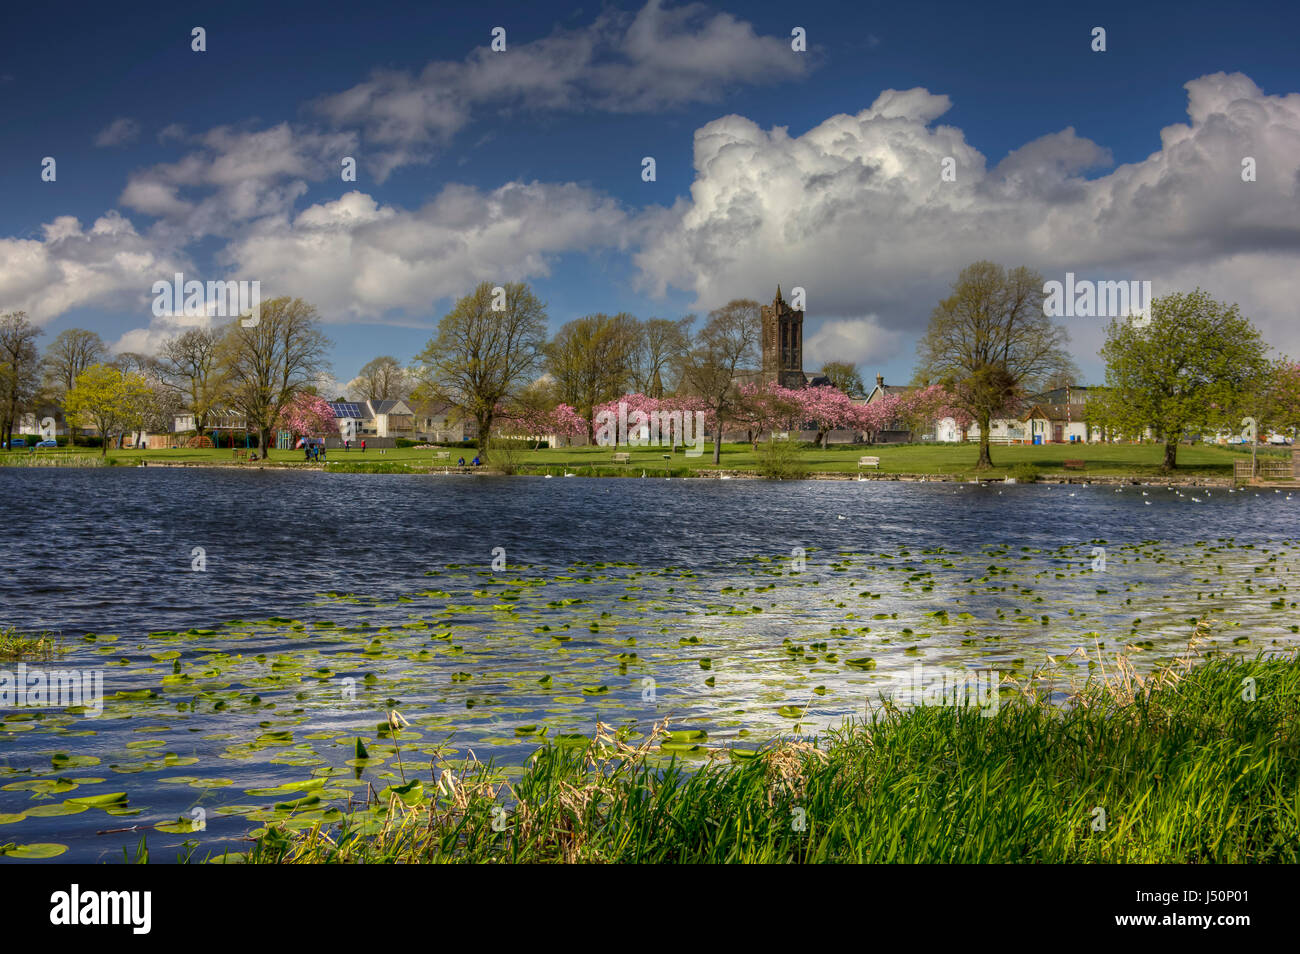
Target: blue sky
(772, 166)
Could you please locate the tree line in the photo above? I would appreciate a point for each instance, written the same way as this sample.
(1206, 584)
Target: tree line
(1194, 365)
(251, 369)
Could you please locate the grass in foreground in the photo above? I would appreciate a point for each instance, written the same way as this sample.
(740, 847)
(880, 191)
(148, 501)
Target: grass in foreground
(1188, 765)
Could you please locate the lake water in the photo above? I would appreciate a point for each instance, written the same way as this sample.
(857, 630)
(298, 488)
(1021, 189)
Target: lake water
(250, 626)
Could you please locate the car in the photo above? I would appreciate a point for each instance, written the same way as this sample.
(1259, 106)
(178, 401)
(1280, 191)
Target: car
(48, 443)
(17, 442)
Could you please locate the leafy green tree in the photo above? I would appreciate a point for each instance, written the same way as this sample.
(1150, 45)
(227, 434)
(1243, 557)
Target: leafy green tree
(189, 364)
(591, 361)
(1195, 365)
(108, 399)
(727, 344)
(1279, 402)
(382, 379)
(482, 356)
(989, 343)
(660, 348)
(269, 362)
(19, 370)
(71, 352)
(844, 376)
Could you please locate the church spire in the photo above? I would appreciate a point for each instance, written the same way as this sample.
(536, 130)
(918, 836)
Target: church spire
(778, 292)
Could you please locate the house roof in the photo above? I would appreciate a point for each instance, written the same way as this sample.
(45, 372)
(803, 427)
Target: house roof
(1053, 412)
(885, 390)
(350, 410)
(389, 407)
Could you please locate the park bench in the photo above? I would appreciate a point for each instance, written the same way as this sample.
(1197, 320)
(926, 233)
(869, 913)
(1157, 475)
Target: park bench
(622, 458)
(240, 454)
(1073, 464)
(869, 462)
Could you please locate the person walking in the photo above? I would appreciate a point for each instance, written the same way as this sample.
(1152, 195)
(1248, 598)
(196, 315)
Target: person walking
(363, 446)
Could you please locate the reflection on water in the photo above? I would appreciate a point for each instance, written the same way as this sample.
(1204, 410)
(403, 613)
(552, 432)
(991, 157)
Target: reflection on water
(249, 627)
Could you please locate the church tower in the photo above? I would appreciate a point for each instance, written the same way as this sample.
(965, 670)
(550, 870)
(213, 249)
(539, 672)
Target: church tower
(782, 343)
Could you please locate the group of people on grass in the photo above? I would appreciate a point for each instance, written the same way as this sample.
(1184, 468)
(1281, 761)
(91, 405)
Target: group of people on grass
(313, 448)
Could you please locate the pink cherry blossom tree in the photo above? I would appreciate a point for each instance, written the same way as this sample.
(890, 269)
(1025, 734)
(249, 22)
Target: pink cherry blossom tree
(308, 415)
(764, 408)
(536, 421)
(828, 408)
(879, 415)
(670, 411)
(925, 407)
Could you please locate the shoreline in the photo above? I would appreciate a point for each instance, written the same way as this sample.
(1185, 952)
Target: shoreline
(398, 468)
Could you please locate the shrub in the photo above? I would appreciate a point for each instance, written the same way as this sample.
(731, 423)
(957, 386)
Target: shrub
(780, 460)
(1025, 473)
(506, 455)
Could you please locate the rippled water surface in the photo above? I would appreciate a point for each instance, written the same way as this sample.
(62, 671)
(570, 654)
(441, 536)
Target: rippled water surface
(747, 609)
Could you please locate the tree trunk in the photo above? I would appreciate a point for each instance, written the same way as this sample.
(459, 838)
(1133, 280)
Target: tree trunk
(1171, 456)
(717, 444)
(986, 459)
(484, 432)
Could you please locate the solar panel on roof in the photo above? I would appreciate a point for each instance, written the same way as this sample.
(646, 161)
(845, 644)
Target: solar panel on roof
(346, 409)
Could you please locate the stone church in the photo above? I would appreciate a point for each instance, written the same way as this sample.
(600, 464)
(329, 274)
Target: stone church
(782, 333)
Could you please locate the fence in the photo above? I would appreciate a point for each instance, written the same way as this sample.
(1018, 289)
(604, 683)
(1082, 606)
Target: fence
(1267, 468)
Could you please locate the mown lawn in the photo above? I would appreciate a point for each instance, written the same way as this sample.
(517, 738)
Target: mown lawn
(960, 459)
(951, 459)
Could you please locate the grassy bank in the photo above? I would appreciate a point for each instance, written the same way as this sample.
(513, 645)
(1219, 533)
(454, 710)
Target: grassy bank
(1186, 766)
(1115, 460)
